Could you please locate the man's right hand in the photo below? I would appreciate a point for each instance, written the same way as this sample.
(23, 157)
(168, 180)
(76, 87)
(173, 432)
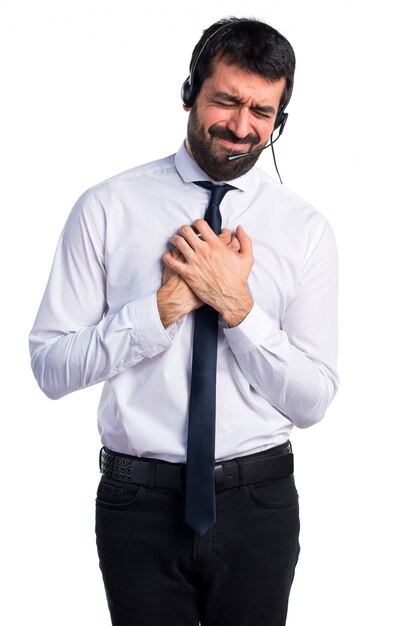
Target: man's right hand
(175, 298)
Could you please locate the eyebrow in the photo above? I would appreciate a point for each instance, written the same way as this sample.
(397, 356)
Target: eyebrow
(223, 95)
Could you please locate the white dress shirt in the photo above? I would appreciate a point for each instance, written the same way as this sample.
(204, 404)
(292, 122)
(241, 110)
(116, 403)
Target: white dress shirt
(98, 320)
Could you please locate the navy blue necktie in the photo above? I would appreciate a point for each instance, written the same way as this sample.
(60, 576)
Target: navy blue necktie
(200, 472)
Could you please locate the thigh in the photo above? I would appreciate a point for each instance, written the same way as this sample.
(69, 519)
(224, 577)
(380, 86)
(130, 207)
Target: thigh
(258, 548)
(144, 553)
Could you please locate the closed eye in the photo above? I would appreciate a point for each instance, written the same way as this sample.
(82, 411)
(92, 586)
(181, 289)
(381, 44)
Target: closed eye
(228, 101)
(226, 105)
(233, 105)
(262, 114)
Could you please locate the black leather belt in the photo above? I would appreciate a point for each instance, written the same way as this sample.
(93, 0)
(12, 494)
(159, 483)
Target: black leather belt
(261, 467)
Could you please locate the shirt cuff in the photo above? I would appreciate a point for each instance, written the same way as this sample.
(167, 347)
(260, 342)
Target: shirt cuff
(147, 327)
(250, 333)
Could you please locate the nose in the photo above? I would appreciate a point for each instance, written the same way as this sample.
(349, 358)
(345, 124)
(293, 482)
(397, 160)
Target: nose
(239, 122)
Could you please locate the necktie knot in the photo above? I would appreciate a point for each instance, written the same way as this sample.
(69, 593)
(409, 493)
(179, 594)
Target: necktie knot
(217, 193)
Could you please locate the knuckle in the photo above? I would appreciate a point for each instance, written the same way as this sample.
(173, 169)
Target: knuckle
(204, 252)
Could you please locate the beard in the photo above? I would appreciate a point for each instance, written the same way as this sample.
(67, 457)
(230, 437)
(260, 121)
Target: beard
(211, 156)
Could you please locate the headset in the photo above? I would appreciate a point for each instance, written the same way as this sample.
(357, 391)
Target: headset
(189, 88)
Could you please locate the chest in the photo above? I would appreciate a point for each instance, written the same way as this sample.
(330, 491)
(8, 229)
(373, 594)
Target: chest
(139, 233)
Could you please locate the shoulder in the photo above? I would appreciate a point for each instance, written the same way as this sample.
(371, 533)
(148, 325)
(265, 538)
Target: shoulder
(290, 209)
(119, 188)
(141, 174)
(152, 170)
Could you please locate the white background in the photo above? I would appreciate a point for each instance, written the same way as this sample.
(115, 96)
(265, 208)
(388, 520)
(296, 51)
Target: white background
(91, 88)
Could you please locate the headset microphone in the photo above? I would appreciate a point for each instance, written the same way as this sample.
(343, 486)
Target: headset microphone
(235, 157)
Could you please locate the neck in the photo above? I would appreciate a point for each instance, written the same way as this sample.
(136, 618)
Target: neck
(188, 148)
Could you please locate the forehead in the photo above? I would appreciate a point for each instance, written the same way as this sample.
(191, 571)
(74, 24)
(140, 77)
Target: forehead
(244, 85)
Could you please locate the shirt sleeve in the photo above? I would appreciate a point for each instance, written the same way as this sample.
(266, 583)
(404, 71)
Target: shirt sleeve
(295, 367)
(75, 342)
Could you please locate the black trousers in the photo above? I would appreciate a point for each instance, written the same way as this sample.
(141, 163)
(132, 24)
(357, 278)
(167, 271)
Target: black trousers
(158, 572)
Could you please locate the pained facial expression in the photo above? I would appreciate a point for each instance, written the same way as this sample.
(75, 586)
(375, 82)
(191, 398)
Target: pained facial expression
(234, 112)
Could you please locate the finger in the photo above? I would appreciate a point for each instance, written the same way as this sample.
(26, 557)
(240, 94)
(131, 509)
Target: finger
(203, 228)
(176, 264)
(234, 244)
(246, 247)
(225, 235)
(190, 235)
(169, 259)
(176, 254)
(183, 246)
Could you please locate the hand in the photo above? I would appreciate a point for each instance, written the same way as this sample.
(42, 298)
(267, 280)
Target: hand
(176, 298)
(216, 273)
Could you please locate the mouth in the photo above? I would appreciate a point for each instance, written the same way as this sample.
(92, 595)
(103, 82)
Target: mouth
(233, 145)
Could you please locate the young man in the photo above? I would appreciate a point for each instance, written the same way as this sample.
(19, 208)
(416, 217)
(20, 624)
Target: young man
(197, 523)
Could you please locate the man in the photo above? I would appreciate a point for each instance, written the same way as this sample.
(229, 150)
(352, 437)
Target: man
(250, 308)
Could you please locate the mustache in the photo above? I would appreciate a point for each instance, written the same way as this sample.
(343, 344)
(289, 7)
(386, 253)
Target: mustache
(225, 133)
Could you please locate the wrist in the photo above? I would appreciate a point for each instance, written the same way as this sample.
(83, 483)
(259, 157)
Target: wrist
(237, 310)
(170, 306)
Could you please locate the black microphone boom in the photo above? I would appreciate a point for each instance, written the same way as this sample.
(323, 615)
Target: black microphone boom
(233, 157)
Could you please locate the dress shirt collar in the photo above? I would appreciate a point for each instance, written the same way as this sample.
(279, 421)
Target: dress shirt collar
(190, 171)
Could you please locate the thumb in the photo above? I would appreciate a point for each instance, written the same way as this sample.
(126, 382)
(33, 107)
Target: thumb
(246, 247)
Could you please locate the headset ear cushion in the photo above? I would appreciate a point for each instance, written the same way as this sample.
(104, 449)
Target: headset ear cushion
(280, 118)
(187, 92)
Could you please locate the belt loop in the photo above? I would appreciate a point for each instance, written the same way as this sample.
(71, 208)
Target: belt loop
(100, 458)
(241, 474)
(151, 474)
(181, 477)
